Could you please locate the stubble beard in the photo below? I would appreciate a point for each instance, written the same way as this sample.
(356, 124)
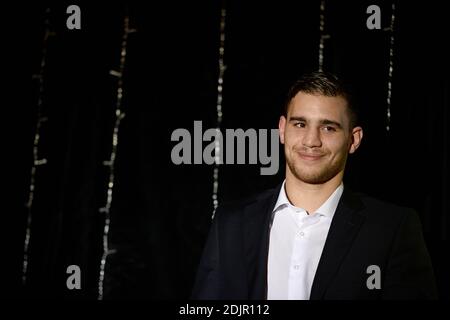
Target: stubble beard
(319, 173)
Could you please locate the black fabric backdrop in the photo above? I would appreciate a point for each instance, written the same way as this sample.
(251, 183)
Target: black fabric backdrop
(160, 211)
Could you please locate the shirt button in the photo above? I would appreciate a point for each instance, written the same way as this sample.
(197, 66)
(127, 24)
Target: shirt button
(302, 234)
(296, 267)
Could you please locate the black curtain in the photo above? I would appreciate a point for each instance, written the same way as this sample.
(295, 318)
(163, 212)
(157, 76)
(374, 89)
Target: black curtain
(161, 211)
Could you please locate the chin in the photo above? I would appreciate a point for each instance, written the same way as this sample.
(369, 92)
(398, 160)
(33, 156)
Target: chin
(311, 176)
(313, 179)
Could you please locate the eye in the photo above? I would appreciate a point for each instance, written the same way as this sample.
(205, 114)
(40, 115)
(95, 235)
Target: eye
(300, 124)
(329, 128)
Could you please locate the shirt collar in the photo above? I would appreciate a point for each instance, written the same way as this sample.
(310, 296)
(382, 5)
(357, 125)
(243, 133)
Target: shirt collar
(328, 208)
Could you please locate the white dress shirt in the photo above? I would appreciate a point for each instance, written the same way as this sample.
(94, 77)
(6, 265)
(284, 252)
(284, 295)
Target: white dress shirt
(296, 243)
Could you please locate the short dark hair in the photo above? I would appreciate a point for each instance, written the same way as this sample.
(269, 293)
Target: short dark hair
(325, 84)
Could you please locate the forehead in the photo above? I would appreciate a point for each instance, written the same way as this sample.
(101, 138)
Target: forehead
(318, 106)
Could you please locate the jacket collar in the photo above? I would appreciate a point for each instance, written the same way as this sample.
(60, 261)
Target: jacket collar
(344, 227)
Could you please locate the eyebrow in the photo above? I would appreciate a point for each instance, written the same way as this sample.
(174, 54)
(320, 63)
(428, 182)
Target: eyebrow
(321, 121)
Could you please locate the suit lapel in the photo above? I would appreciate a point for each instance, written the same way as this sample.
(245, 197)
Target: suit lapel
(256, 226)
(344, 227)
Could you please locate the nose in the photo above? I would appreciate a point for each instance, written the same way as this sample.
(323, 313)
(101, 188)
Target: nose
(311, 139)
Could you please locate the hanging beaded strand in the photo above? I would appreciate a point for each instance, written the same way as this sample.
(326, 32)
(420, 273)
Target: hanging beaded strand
(119, 115)
(41, 119)
(391, 69)
(323, 36)
(217, 148)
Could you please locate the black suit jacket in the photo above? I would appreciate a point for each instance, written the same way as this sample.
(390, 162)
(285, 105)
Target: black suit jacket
(364, 231)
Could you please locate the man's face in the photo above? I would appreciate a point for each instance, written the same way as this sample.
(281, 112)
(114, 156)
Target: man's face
(317, 137)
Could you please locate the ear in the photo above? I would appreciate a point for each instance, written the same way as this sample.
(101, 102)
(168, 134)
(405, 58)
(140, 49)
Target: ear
(281, 128)
(357, 135)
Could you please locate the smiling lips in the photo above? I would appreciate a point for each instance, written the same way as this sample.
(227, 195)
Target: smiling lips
(310, 156)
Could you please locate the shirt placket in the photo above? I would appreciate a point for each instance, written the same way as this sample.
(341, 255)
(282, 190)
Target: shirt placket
(298, 272)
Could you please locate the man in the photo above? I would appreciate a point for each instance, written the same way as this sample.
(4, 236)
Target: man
(311, 238)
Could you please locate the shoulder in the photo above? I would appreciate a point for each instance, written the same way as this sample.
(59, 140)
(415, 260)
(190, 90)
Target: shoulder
(265, 198)
(382, 220)
(382, 209)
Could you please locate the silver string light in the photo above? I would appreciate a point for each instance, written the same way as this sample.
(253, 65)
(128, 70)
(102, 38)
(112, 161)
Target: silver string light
(119, 115)
(391, 69)
(41, 119)
(323, 36)
(217, 146)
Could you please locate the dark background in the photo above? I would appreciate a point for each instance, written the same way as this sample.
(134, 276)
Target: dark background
(161, 212)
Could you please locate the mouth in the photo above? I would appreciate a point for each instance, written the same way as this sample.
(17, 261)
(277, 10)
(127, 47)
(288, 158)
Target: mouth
(310, 156)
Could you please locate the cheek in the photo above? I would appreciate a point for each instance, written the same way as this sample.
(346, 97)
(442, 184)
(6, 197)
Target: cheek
(339, 148)
(291, 139)
(335, 145)
(292, 135)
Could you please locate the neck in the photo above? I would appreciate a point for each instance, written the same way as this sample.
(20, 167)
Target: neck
(310, 196)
